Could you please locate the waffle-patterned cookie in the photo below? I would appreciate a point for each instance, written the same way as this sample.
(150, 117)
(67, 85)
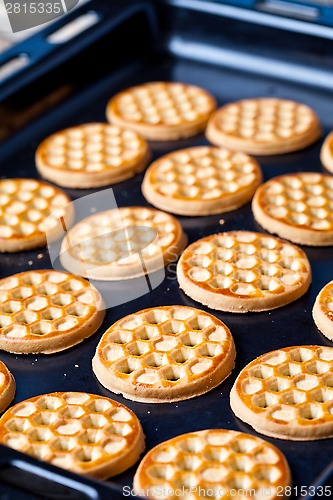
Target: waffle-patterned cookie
(214, 463)
(7, 387)
(241, 271)
(298, 207)
(326, 153)
(25, 204)
(162, 111)
(47, 311)
(122, 243)
(84, 433)
(201, 181)
(264, 126)
(323, 310)
(287, 393)
(164, 354)
(91, 155)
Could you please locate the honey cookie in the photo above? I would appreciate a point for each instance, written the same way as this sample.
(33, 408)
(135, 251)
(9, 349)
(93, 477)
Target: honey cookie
(162, 111)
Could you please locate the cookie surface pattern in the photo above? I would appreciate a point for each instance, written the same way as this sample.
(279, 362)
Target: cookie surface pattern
(162, 110)
(287, 393)
(84, 433)
(326, 153)
(241, 271)
(91, 155)
(47, 311)
(164, 354)
(264, 126)
(201, 181)
(122, 243)
(7, 387)
(323, 311)
(298, 207)
(25, 205)
(213, 463)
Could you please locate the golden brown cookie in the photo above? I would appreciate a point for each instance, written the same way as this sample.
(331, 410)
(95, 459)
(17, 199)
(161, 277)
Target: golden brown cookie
(91, 155)
(214, 463)
(162, 111)
(84, 433)
(47, 311)
(201, 181)
(323, 311)
(7, 387)
(122, 243)
(326, 153)
(298, 207)
(242, 271)
(287, 393)
(164, 354)
(265, 126)
(26, 206)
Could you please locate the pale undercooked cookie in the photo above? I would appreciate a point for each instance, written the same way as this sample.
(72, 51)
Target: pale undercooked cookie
(122, 243)
(287, 393)
(28, 209)
(91, 155)
(323, 311)
(298, 207)
(7, 387)
(241, 271)
(264, 126)
(201, 181)
(84, 433)
(47, 311)
(214, 463)
(326, 153)
(164, 354)
(162, 111)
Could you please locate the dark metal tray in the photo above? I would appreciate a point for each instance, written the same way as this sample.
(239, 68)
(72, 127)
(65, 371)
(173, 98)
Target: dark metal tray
(219, 49)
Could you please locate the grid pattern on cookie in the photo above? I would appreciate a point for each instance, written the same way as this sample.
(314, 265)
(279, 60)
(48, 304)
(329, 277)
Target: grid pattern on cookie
(76, 431)
(292, 385)
(4, 378)
(44, 303)
(25, 204)
(120, 236)
(92, 148)
(266, 120)
(162, 103)
(245, 264)
(304, 200)
(326, 300)
(203, 173)
(168, 346)
(221, 459)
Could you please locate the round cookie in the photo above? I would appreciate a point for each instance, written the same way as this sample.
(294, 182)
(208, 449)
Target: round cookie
(47, 311)
(243, 271)
(326, 153)
(85, 433)
(323, 311)
(213, 463)
(287, 393)
(298, 207)
(7, 387)
(201, 181)
(162, 111)
(26, 206)
(164, 354)
(122, 243)
(264, 126)
(91, 155)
